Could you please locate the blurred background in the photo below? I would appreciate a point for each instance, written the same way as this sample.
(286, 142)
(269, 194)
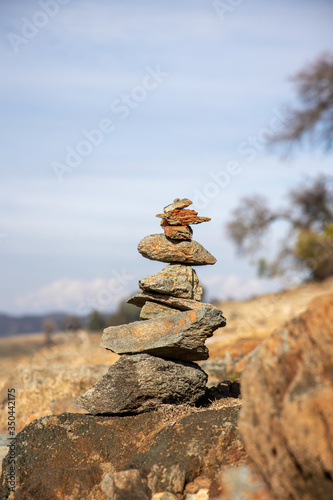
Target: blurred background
(111, 109)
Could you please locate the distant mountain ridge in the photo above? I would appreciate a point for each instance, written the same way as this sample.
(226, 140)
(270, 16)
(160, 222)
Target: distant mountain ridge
(14, 325)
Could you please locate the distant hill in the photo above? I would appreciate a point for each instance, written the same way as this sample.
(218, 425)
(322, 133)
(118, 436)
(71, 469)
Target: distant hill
(14, 325)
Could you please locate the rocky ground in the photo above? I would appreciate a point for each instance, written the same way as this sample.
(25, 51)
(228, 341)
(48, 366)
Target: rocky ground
(48, 379)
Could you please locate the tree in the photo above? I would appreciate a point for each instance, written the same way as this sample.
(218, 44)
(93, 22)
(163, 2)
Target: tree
(126, 313)
(49, 328)
(308, 245)
(96, 322)
(313, 119)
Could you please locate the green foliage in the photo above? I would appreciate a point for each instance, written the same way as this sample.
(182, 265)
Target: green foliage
(315, 251)
(308, 245)
(96, 322)
(126, 313)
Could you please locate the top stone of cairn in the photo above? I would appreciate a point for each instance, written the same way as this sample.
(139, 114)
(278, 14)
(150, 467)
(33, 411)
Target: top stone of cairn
(175, 246)
(176, 214)
(177, 204)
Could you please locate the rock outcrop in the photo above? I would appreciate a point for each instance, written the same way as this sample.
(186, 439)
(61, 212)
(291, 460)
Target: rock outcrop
(287, 419)
(76, 456)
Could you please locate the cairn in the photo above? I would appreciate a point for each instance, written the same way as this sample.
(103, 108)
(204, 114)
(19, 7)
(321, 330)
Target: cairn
(156, 365)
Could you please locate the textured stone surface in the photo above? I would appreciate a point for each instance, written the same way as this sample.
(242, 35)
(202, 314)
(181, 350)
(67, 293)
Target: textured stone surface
(76, 456)
(199, 446)
(152, 309)
(164, 495)
(125, 485)
(177, 204)
(175, 279)
(182, 217)
(177, 232)
(180, 336)
(142, 382)
(158, 247)
(287, 419)
(243, 483)
(140, 299)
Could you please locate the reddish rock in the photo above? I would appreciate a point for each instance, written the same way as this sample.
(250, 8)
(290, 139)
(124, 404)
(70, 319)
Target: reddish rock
(176, 280)
(180, 336)
(177, 232)
(158, 247)
(182, 217)
(287, 419)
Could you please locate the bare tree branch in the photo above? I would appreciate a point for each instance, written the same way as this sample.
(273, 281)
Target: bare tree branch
(313, 119)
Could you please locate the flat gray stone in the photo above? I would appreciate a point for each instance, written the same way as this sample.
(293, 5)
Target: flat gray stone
(158, 247)
(177, 204)
(141, 383)
(179, 336)
(140, 299)
(178, 280)
(152, 309)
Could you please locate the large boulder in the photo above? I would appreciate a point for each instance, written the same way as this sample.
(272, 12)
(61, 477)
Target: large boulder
(142, 382)
(76, 456)
(287, 418)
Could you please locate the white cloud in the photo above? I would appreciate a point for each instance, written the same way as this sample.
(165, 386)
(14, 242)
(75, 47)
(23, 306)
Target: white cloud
(79, 296)
(238, 287)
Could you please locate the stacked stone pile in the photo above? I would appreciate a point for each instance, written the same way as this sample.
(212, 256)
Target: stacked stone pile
(157, 355)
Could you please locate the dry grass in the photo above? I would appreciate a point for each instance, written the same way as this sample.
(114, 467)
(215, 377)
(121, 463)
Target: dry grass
(249, 322)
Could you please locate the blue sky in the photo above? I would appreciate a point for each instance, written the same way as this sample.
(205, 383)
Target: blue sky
(111, 109)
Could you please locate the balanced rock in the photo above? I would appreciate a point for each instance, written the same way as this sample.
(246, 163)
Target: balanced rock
(180, 336)
(140, 299)
(287, 419)
(152, 309)
(177, 204)
(175, 279)
(177, 232)
(182, 217)
(141, 382)
(158, 247)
